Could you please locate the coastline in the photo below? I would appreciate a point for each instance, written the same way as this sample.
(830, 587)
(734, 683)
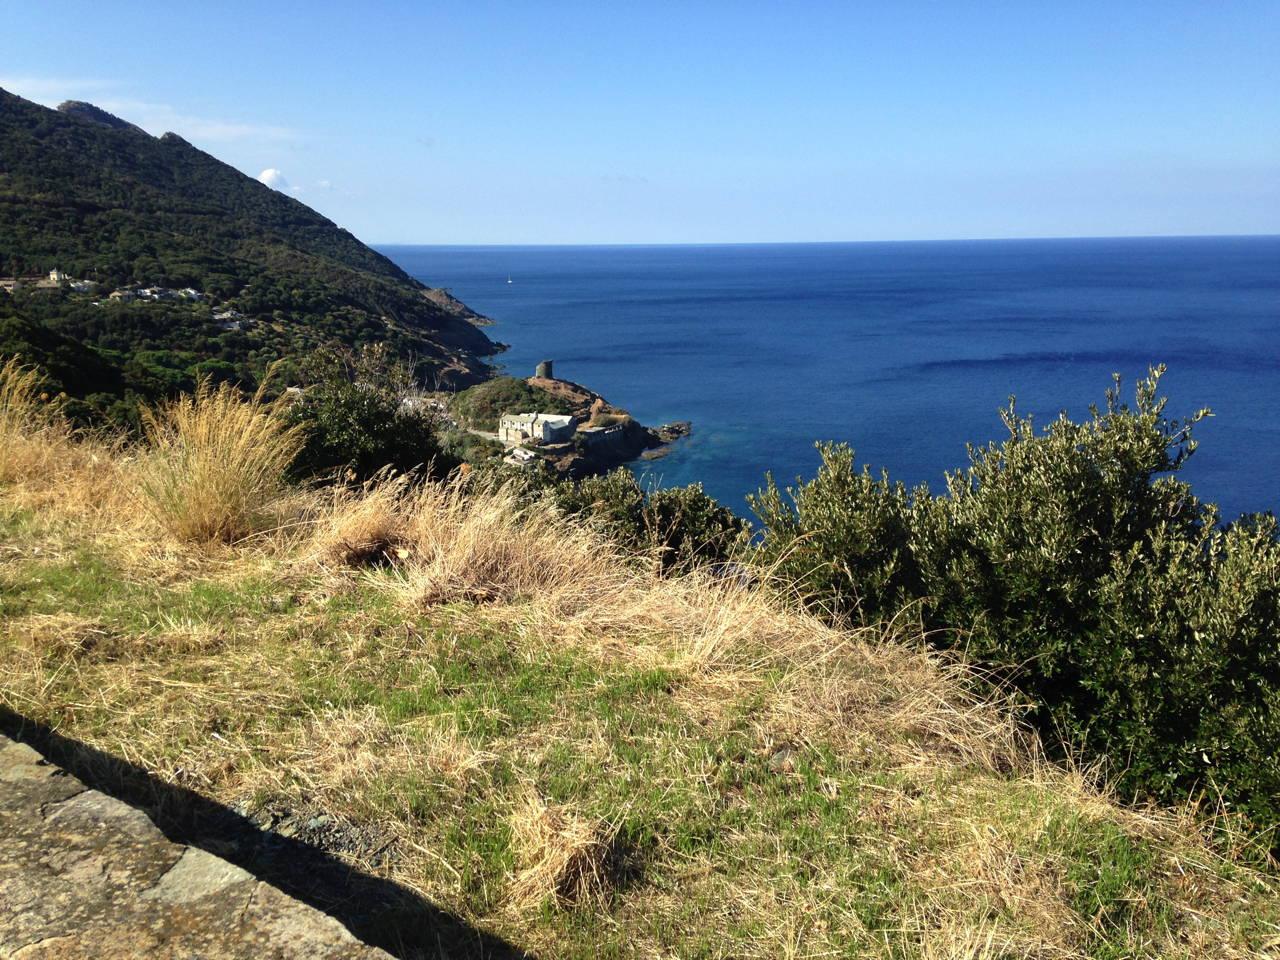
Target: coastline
(906, 351)
(568, 427)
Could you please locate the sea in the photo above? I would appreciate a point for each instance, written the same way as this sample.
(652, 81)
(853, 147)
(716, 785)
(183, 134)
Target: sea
(906, 350)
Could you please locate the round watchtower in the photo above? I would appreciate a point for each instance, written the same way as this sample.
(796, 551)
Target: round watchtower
(544, 370)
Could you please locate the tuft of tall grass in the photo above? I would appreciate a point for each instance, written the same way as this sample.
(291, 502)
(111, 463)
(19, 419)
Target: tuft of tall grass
(217, 464)
(564, 856)
(45, 463)
(29, 422)
(478, 544)
(358, 525)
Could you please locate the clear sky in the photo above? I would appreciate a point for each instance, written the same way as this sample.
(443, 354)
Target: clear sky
(600, 122)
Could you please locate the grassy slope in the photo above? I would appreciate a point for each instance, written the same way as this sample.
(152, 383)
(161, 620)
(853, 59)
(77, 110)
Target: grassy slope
(582, 758)
(483, 405)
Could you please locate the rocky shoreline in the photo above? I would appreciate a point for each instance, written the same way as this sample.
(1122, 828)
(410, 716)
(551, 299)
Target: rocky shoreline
(629, 440)
(569, 428)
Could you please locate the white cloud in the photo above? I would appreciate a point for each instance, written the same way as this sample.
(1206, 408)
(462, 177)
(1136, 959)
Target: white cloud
(274, 179)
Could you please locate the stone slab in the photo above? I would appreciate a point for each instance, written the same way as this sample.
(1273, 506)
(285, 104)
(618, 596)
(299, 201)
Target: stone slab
(83, 875)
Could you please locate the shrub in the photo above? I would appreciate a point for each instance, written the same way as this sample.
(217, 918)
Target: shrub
(681, 526)
(1076, 563)
(843, 540)
(217, 463)
(353, 420)
(463, 446)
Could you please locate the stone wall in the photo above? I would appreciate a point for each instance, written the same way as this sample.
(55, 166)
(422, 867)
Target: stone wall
(85, 875)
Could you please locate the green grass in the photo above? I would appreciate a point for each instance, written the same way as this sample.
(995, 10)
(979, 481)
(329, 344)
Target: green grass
(483, 405)
(721, 850)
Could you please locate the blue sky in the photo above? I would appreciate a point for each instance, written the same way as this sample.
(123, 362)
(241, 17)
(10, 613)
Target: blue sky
(601, 122)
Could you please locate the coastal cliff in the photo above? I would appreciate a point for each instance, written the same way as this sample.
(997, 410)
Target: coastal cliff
(590, 434)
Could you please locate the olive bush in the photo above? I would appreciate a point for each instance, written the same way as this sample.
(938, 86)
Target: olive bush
(1074, 562)
(681, 526)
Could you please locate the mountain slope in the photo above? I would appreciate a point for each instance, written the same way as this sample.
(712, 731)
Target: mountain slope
(98, 198)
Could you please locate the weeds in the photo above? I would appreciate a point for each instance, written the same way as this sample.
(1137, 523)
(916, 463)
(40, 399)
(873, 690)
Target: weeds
(217, 464)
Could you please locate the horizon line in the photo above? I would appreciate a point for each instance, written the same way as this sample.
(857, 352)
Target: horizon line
(815, 243)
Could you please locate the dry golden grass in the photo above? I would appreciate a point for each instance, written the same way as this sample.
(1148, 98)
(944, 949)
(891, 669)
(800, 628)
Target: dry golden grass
(216, 467)
(24, 419)
(958, 797)
(33, 435)
(45, 464)
(978, 942)
(341, 753)
(484, 545)
(361, 525)
(564, 856)
(546, 578)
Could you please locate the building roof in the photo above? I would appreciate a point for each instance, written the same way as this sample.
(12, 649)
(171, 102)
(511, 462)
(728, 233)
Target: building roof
(519, 418)
(555, 419)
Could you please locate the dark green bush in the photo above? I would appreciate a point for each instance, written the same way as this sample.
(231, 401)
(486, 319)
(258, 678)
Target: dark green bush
(355, 423)
(463, 446)
(1076, 563)
(681, 526)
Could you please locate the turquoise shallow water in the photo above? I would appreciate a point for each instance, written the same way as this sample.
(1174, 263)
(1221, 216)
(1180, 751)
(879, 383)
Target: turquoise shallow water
(905, 350)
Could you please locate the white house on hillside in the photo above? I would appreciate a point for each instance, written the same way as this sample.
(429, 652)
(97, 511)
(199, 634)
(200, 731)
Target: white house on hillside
(517, 428)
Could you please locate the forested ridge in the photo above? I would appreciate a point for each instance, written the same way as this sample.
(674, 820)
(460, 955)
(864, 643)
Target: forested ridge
(106, 202)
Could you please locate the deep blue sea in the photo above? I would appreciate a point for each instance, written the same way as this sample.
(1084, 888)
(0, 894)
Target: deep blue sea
(904, 350)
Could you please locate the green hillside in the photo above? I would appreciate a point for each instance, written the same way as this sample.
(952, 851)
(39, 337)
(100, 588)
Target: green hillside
(102, 200)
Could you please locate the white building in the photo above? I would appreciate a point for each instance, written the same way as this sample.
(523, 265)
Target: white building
(517, 428)
(521, 457)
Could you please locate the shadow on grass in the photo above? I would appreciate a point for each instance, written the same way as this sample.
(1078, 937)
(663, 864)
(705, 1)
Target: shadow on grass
(378, 911)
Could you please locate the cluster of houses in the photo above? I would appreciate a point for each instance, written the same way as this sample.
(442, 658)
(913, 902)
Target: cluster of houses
(130, 294)
(54, 280)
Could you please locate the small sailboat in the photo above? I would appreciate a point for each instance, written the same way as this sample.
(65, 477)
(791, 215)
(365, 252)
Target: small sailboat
(508, 278)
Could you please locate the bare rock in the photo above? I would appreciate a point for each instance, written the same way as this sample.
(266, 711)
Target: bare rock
(85, 875)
